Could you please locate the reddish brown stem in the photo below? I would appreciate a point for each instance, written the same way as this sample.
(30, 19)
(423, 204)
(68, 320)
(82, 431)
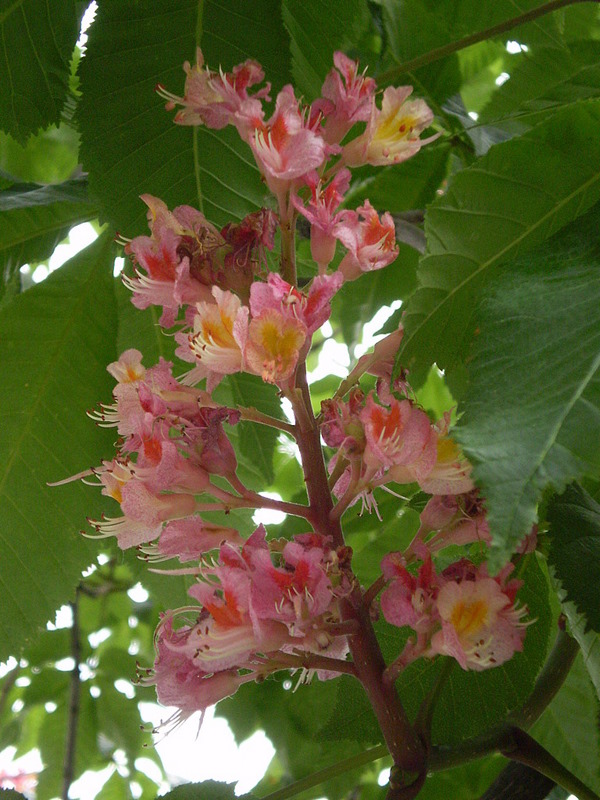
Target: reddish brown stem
(403, 743)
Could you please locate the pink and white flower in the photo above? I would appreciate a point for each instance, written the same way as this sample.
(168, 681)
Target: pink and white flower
(392, 133)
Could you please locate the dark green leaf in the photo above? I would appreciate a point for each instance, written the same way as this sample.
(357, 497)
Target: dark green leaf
(316, 29)
(532, 413)
(512, 199)
(56, 340)
(412, 29)
(130, 145)
(34, 219)
(575, 552)
(402, 187)
(34, 67)
(256, 443)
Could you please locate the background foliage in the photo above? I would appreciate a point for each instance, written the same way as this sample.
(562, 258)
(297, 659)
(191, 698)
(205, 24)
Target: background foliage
(504, 300)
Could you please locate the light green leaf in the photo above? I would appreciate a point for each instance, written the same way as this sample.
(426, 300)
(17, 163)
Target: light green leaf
(56, 339)
(546, 81)
(50, 156)
(52, 746)
(568, 728)
(467, 782)
(316, 29)
(512, 199)
(130, 144)
(38, 39)
(532, 413)
(34, 219)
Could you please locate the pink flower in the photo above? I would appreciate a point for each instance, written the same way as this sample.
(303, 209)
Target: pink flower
(392, 133)
(320, 212)
(180, 679)
(217, 340)
(347, 98)
(285, 147)
(312, 309)
(409, 600)
(371, 242)
(398, 435)
(215, 98)
(481, 626)
(190, 539)
(273, 346)
(176, 259)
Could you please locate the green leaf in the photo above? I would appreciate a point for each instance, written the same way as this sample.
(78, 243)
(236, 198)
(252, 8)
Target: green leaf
(568, 728)
(115, 788)
(255, 443)
(316, 29)
(34, 68)
(532, 414)
(51, 156)
(470, 702)
(512, 199)
(208, 790)
(140, 329)
(401, 187)
(575, 551)
(119, 720)
(467, 782)
(588, 642)
(56, 339)
(546, 81)
(412, 29)
(34, 219)
(130, 144)
(52, 746)
(361, 299)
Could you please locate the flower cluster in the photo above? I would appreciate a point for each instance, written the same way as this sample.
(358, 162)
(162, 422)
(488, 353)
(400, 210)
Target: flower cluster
(461, 612)
(259, 605)
(264, 606)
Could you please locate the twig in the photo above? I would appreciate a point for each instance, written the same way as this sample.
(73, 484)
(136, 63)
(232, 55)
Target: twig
(452, 47)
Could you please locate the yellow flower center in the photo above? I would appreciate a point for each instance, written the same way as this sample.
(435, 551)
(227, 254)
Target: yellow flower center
(468, 618)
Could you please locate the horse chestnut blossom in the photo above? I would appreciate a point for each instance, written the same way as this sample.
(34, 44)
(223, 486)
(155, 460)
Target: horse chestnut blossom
(260, 604)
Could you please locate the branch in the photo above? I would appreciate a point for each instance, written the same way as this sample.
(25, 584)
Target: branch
(7, 685)
(404, 745)
(518, 782)
(73, 716)
(252, 414)
(452, 47)
(527, 751)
